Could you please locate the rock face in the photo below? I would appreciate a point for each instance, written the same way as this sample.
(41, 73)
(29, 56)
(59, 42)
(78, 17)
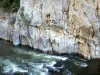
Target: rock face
(62, 26)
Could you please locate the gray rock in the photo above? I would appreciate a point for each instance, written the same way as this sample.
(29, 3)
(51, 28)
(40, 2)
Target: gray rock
(63, 26)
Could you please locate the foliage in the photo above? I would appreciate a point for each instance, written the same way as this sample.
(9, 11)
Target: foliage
(10, 5)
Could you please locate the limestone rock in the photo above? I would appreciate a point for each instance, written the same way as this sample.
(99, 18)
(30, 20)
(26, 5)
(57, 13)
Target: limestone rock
(62, 26)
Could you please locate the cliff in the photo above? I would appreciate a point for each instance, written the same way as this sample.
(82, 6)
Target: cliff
(62, 26)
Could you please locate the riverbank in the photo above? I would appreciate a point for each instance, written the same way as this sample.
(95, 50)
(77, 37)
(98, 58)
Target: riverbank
(17, 59)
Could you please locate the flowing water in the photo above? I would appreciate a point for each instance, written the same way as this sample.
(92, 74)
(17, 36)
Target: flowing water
(24, 61)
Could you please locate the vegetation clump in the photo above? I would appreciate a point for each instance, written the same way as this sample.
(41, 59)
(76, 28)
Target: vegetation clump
(10, 5)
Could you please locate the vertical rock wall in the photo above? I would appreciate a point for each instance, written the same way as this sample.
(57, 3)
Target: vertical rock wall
(62, 26)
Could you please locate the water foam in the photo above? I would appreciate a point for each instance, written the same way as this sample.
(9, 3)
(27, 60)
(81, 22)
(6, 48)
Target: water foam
(11, 67)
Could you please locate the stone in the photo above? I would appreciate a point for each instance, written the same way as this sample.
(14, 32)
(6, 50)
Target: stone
(61, 26)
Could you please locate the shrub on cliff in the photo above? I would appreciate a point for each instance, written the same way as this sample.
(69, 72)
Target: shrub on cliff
(10, 5)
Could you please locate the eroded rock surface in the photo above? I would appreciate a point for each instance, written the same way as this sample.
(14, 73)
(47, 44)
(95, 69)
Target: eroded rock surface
(62, 26)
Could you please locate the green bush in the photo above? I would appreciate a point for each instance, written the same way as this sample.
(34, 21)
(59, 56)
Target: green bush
(10, 5)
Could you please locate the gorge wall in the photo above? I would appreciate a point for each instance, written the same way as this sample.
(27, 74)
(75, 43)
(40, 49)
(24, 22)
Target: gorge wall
(62, 26)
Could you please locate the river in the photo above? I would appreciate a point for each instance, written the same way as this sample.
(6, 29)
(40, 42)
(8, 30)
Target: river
(22, 60)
